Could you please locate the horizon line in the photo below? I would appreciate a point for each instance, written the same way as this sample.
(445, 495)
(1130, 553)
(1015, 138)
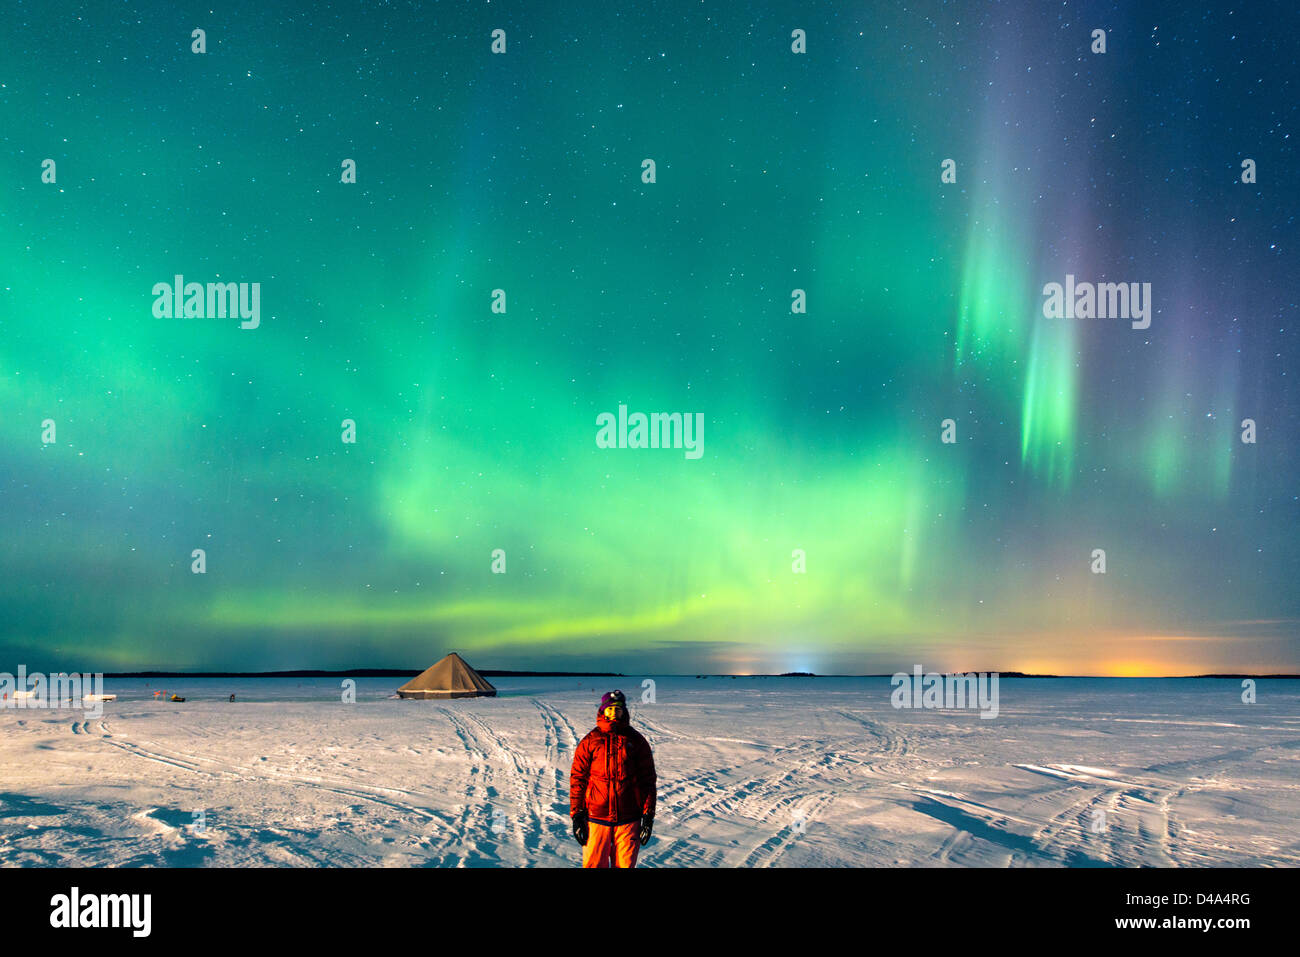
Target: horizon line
(500, 673)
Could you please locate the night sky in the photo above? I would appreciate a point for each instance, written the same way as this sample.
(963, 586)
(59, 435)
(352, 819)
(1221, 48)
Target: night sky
(476, 429)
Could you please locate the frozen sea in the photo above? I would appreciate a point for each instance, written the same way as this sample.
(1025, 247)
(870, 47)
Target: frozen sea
(753, 772)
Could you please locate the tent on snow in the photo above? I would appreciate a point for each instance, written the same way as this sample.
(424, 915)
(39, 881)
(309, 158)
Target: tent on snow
(450, 678)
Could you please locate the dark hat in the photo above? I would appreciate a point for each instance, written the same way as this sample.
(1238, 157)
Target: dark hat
(612, 697)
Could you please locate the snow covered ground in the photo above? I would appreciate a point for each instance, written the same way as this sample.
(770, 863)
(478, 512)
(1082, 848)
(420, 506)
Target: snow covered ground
(752, 772)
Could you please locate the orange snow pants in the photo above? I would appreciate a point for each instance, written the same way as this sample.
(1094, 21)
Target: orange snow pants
(611, 846)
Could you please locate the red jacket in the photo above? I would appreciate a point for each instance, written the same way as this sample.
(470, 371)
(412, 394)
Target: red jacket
(613, 776)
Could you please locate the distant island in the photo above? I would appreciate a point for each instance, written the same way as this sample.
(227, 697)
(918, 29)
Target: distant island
(354, 673)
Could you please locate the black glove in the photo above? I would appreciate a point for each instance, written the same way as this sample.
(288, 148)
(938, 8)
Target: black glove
(647, 825)
(580, 829)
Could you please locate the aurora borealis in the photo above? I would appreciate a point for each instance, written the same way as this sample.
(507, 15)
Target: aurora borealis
(476, 429)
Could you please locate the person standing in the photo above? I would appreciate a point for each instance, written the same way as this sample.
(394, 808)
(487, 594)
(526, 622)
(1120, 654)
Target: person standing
(612, 788)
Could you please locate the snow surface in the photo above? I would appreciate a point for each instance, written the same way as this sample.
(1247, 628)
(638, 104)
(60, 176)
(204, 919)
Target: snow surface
(752, 772)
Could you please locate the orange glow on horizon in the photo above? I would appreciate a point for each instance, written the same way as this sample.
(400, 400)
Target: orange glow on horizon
(1135, 669)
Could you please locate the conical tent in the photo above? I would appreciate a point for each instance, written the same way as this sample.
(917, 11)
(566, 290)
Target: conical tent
(450, 678)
